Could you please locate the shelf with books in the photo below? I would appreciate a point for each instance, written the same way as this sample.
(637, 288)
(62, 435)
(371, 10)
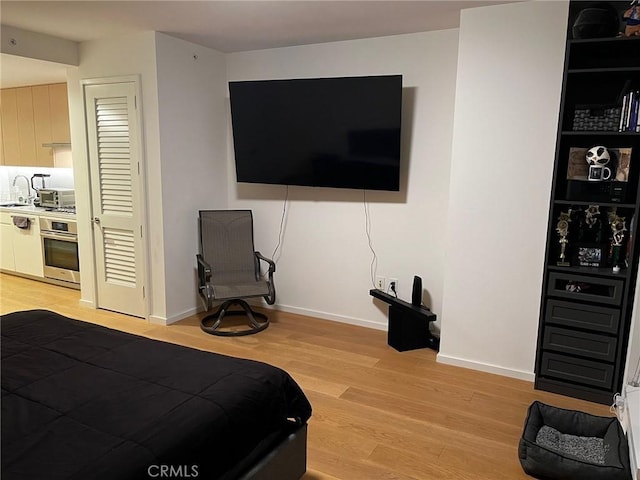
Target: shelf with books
(602, 100)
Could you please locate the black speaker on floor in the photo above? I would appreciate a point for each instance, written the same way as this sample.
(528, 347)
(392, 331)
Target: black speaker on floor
(416, 295)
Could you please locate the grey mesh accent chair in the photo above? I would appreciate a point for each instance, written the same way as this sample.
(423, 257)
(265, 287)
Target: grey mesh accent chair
(229, 270)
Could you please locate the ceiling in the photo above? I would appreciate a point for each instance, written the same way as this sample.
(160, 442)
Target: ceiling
(226, 26)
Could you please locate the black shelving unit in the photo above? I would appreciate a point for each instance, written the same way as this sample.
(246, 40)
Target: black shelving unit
(586, 303)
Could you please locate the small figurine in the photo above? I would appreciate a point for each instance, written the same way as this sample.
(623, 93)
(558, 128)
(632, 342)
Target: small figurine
(632, 18)
(591, 215)
(563, 230)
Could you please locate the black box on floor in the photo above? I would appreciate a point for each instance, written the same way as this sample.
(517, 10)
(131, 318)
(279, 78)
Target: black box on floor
(409, 329)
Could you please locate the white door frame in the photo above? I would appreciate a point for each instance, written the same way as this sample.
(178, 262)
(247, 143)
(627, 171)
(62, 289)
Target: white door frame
(144, 257)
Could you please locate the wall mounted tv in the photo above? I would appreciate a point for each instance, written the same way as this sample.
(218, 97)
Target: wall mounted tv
(322, 132)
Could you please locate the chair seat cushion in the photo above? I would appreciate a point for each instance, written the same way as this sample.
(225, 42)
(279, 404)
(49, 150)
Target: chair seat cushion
(559, 444)
(240, 290)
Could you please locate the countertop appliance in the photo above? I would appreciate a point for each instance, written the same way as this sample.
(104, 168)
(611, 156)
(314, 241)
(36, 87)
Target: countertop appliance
(57, 197)
(60, 249)
(41, 177)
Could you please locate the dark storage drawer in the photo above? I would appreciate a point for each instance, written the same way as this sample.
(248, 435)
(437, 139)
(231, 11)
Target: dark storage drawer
(585, 289)
(589, 317)
(577, 370)
(591, 345)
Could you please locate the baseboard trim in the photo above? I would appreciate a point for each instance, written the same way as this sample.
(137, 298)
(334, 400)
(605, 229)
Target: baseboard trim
(485, 367)
(158, 320)
(87, 303)
(328, 316)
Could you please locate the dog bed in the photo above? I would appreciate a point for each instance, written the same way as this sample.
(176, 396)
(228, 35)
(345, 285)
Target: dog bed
(559, 444)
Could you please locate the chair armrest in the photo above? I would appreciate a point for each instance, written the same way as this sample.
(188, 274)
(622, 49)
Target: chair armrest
(204, 270)
(271, 297)
(272, 265)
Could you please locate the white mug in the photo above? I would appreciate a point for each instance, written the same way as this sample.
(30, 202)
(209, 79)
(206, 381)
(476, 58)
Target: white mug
(599, 172)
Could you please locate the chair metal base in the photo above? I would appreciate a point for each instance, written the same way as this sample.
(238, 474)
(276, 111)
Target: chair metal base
(223, 311)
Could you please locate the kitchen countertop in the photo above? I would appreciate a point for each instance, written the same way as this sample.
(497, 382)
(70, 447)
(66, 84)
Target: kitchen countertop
(33, 210)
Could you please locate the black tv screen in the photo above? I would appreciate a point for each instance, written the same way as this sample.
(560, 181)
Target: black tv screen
(321, 132)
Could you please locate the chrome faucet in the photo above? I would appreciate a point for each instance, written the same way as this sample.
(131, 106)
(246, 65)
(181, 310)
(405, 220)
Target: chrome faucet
(28, 197)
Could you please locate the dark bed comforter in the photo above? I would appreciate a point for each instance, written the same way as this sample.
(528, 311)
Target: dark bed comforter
(82, 401)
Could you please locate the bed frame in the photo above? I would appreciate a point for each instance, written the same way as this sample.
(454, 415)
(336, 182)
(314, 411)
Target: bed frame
(286, 461)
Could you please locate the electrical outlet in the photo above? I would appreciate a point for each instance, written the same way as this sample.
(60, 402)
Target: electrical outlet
(381, 283)
(392, 288)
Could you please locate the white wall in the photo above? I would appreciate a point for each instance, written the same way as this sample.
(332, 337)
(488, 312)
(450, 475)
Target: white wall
(193, 127)
(325, 259)
(506, 114)
(119, 56)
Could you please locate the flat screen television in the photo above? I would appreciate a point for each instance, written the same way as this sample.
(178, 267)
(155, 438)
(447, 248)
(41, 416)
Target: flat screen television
(321, 132)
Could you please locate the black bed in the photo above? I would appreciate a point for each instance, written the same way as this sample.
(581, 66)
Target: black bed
(81, 401)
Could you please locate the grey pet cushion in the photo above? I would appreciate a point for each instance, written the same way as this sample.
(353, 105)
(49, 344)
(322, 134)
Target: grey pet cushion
(559, 444)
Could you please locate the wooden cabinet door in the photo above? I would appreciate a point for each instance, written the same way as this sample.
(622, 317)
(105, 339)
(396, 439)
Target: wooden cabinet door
(10, 142)
(59, 104)
(26, 128)
(6, 242)
(27, 248)
(30, 117)
(42, 124)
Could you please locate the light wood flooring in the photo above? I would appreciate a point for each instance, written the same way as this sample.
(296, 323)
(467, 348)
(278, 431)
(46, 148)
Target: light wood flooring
(377, 413)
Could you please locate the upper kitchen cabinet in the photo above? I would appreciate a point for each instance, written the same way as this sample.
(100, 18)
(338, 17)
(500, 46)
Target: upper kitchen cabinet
(10, 136)
(59, 104)
(32, 117)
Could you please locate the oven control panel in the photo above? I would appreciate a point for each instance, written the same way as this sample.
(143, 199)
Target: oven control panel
(59, 226)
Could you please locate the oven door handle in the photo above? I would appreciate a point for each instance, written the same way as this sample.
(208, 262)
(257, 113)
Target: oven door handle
(59, 236)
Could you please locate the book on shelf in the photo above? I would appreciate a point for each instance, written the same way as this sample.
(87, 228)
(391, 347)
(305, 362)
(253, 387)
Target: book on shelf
(630, 114)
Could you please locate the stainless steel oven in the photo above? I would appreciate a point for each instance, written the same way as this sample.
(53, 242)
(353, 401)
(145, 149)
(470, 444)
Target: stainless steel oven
(60, 249)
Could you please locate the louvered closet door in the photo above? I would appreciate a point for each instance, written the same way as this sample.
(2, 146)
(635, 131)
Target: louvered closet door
(114, 154)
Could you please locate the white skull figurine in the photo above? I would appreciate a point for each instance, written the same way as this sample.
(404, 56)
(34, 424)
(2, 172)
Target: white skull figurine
(598, 155)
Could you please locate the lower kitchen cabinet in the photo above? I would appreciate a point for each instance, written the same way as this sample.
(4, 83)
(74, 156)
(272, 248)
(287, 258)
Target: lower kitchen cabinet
(7, 261)
(21, 247)
(27, 248)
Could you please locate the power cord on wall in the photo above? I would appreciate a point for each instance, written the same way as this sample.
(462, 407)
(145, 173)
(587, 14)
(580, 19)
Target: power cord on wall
(281, 232)
(392, 287)
(374, 260)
